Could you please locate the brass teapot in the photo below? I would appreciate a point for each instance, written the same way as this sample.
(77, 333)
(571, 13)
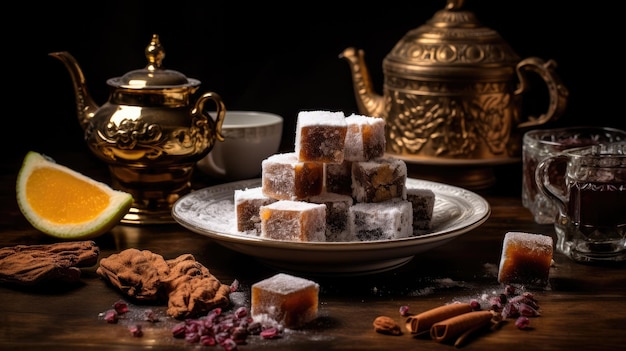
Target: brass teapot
(151, 131)
(453, 92)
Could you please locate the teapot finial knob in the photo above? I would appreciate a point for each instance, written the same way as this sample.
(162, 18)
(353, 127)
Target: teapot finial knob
(454, 5)
(154, 53)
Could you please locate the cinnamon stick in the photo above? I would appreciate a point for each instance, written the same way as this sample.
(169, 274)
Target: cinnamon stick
(457, 325)
(422, 322)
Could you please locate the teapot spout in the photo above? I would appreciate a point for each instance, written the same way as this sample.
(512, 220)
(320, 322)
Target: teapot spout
(85, 106)
(368, 102)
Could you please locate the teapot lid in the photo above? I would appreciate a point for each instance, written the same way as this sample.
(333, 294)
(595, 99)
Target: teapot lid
(452, 40)
(154, 76)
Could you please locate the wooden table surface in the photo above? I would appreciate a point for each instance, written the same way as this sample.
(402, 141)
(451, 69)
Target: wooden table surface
(583, 307)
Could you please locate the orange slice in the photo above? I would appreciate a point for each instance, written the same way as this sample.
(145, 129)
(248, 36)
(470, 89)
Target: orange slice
(64, 203)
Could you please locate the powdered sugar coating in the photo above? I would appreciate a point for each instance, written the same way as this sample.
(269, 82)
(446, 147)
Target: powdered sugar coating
(286, 178)
(337, 207)
(525, 259)
(379, 180)
(423, 201)
(248, 201)
(293, 220)
(288, 299)
(386, 220)
(365, 138)
(320, 136)
(319, 117)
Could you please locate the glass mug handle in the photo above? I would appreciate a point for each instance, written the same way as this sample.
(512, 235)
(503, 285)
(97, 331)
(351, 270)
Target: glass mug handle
(549, 171)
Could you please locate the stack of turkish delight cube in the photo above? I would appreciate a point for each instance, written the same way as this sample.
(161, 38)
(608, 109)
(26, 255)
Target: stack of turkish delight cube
(338, 185)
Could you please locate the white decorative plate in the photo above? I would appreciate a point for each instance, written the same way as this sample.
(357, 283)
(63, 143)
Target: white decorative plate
(210, 212)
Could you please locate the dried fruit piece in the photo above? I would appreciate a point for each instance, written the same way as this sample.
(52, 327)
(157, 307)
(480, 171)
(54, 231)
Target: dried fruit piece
(386, 325)
(522, 322)
(135, 330)
(111, 316)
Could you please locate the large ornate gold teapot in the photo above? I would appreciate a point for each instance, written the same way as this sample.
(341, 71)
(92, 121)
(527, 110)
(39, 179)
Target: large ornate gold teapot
(453, 92)
(150, 132)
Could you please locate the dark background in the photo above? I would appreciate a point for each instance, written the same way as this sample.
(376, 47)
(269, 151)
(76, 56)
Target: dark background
(281, 59)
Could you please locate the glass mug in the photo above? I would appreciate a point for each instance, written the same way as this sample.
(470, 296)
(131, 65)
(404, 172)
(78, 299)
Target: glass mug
(591, 223)
(539, 144)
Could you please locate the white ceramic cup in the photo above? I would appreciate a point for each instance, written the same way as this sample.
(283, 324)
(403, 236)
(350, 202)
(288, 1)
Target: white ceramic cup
(249, 138)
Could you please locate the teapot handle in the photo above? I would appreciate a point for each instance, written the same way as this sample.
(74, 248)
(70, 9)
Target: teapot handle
(214, 130)
(557, 91)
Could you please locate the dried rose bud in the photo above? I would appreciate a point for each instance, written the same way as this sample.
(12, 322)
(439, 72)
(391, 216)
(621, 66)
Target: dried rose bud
(510, 311)
(241, 312)
(404, 310)
(179, 330)
(234, 286)
(475, 305)
(120, 307)
(270, 333)
(495, 303)
(527, 310)
(524, 299)
(208, 340)
(229, 345)
(111, 316)
(192, 337)
(135, 330)
(522, 322)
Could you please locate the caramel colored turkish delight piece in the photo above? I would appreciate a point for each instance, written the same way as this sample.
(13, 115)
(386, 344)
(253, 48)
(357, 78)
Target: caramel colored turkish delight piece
(286, 178)
(365, 139)
(338, 177)
(289, 300)
(293, 221)
(379, 180)
(247, 204)
(386, 220)
(337, 208)
(320, 136)
(525, 259)
(423, 201)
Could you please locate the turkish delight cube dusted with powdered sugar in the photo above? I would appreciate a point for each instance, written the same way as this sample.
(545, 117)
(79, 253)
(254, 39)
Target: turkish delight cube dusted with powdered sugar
(379, 180)
(381, 220)
(365, 138)
(320, 136)
(337, 207)
(423, 201)
(289, 300)
(247, 204)
(526, 259)
(338, 177)
(283, 177)
(293, 221)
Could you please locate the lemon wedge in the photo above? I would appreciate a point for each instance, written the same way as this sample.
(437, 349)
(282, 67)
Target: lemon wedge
(64, 203)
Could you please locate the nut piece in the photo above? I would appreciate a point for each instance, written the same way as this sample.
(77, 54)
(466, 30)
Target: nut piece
(386, 325)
